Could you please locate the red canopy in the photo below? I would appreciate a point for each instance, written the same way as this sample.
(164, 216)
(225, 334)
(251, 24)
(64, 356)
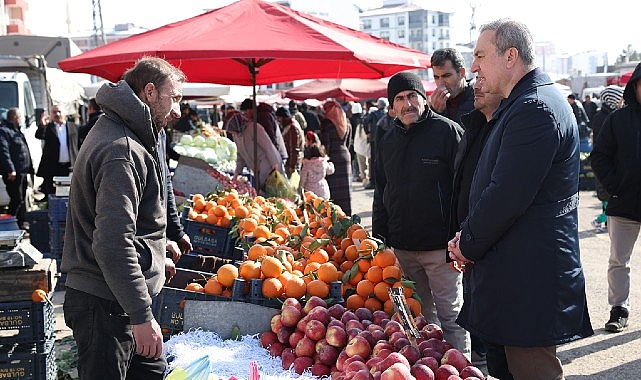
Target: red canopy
(344, 89)
(625, 78)
(231, 44)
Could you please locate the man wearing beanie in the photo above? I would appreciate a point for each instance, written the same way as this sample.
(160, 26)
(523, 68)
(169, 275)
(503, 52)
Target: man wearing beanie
(617, 165)
(414, 171)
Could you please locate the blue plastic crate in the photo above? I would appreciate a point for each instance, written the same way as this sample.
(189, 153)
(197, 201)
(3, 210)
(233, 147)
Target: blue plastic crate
(255, 293)
(26, 362)
(38, 229)
(56, 238)
(27, 322)
(58, 208)
(208, 239)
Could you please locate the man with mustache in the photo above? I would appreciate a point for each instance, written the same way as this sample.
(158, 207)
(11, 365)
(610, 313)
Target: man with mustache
(414, 167)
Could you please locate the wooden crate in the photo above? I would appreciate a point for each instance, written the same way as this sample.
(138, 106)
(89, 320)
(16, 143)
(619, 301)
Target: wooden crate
(17, 284)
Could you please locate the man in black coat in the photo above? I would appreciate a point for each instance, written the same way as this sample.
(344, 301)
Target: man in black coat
(94, 111)
(15, 164)
(60, 148)
(453, 96)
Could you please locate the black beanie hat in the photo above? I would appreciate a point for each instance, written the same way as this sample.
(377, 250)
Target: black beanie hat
(404, 81)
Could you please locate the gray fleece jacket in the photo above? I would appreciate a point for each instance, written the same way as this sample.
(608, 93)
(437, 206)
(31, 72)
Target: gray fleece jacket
(115, 233)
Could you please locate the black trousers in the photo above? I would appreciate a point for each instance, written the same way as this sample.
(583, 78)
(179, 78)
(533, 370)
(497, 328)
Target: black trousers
(104, 336)
(17, 191)
(497, 361)
(62, 170)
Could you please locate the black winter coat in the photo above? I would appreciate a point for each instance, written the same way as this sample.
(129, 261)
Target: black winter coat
(527, 286)
(51, 148)
(14, 151)
(414, 171)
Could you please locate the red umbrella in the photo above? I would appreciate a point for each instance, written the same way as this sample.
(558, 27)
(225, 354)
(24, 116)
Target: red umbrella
(254, 42)
(625, 78)
(345, 89)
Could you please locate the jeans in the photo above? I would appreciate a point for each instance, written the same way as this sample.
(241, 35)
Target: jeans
(105, 341)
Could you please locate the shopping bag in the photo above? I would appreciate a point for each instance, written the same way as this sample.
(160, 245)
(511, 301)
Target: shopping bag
(278, 186)
(196, 370)
(294, 180)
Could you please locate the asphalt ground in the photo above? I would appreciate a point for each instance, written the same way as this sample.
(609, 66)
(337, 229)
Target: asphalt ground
(603, 356)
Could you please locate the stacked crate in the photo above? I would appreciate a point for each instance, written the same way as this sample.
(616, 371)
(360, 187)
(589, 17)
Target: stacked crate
(57, 220)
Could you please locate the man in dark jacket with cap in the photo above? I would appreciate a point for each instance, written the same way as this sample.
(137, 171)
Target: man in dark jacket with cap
(527, 288)
(617, 164)
(414, 170)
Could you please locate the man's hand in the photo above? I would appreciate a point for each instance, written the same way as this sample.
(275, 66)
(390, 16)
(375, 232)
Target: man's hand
(184, 243)
(438, 99)
(148, 338)
(170, 270)
(455, 251)
(11, 176)
(173, 249)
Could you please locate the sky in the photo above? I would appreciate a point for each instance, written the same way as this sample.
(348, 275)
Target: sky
(574, 26)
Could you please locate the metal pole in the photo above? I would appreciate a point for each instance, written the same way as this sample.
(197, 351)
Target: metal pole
(253, 70)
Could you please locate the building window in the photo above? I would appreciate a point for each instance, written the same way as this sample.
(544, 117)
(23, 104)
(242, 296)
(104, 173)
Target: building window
(401, 33)
(400, 20)
(367, 24)
(385, 22)
(385, 35)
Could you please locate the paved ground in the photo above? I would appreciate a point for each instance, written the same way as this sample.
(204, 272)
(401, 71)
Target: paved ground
(604, 356)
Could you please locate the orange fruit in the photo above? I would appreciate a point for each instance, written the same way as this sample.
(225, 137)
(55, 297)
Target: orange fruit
(414, 305)
(351, 252)
(194, 287)
(311, 267)
(367, 245)
(271, 267)
(192, 214)
(381, 291)
(384, 258)
(39, 295)
(256, 251)
(250, 269)
(346, 265)
(374, 274)
(224, 221)
(388, 306)
(346, 242)
(284, 279)
(363, 265)
(213, 287)
(197, 196)
(241, 212)
(407, 292)
(249, 224)
(211, 218)
(199, 205)
(356, 279)
(296, 287)
(226, 293)
(201, 218)
(354, 301)
(359, 234)
(352, 228)
(373, 304)
(319, 255)
(262, 231)
(318, 288)
(272, 288)
(392, 274)
(365, 288)
(226, 274)
(220, 210)
(209, 205)
(327, 272)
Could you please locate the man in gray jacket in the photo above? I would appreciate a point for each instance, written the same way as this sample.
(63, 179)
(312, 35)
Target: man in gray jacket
(114, 251)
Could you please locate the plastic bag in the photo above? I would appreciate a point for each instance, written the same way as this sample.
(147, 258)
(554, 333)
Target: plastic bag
(277, 185)
(294, 180)
(196, 370)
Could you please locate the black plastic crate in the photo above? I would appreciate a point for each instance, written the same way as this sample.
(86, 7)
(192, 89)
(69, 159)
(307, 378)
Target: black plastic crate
(168, 305)
(27, 322)
(208, 239)
(38, 229)
(208, 263)
(57, 208)
(56, 238)
(255, 294)
(27, 362)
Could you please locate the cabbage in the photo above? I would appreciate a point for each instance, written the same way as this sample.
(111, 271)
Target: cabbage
(186, 140)
(199, 141)
(210, 155)
(180, 150)
(211, 142)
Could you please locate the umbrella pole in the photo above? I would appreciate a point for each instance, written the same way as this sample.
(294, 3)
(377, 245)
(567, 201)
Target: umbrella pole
(252, 71)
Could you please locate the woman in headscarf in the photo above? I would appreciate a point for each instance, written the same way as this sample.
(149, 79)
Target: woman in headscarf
(335, 136)
(269, 159)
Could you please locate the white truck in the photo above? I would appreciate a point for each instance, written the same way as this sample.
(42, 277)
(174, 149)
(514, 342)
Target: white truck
(29, 82)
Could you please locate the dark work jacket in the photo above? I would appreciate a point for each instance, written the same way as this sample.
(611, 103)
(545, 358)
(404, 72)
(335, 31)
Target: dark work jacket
(14, 151)
(414, 171)
(527, 287)
(465, 105)
(616, 156)
(83, 131)
(51, 148)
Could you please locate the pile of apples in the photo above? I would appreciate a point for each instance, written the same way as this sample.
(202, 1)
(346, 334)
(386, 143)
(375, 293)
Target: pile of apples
(361, 345)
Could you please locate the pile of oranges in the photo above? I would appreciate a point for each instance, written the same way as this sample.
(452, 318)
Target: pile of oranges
(298, 250)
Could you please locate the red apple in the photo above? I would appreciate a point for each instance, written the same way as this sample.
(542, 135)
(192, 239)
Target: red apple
(420, 322)
(305, 347)
(354, 323)
(384, 322)
(320, 314)
(315, 330)
(290, 301)
(455, 358)
(445, 371)
(430, 362)
(422, 372)
(312, 302)
(284, 333)
(362, 374)
(358, 346)
(471, 371)
(319, 369)
(433, 343)
(454, 377)
(400, 343)
(355, 366)
(430, 352)
(302, 324)
(295, 337)
(378, 316)
(411, 353)
(373, 360)
(336, 322)
(396, 335)
(336, 336)
(378, 335)
(290, 315)
(320, 343)
(364, 313)
(366, 323)
(376, 375)
(380, 346)
(432, 330)
(267, 338)
(276, 323)
(336, 310)
(368, 335)
(352, 332)
(340, 361)
(328, 354)
(276, 349)
(392, 358)
(397, 371)
(348, 315)
(392, 327)
(287, 357)
(302, 363)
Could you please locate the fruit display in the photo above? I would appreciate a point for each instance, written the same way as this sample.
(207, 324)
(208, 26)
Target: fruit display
(361, 344)
(219, 151)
